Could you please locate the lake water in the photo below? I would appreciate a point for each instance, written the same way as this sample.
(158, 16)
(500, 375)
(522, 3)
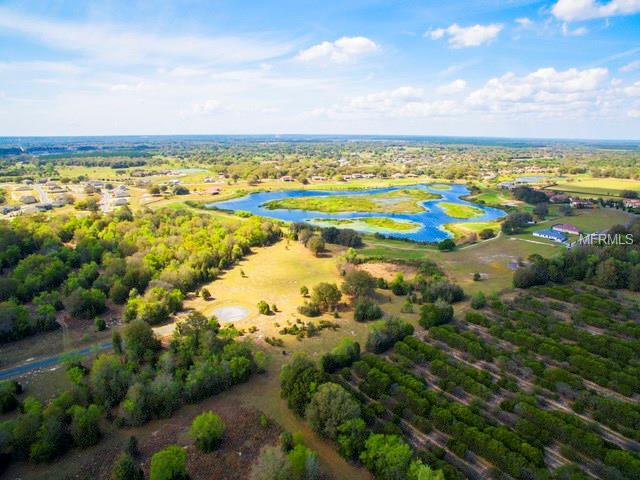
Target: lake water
(431, 221)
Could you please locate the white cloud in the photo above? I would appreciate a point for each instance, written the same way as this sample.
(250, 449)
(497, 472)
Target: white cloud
(576, 32)
(630, 67)
(573, 10)
(545, 91)
(209, 107)
(406, 101)
(40, 66)
(342, 50)
(452, 88)
(524, 22)
(117, 44)
(633, 90)
(472, 36)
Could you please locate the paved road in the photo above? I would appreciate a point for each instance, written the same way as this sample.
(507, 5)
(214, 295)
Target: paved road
(105, 201)
(44, 196)
(47, 362)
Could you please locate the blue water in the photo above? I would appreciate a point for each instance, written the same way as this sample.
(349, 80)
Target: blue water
(431, 221)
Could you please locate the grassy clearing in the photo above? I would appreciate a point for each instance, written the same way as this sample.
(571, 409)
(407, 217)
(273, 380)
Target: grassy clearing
(457, 210)
(494, 198)
(597, 187)
(464, 229)
(587, 221)
(406, 200)
(369, 223)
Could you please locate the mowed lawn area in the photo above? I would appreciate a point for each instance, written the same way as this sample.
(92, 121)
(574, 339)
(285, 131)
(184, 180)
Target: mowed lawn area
(598, 187)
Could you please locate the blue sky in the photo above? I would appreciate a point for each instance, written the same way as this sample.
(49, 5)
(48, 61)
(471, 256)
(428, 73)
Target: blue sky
(558, 68)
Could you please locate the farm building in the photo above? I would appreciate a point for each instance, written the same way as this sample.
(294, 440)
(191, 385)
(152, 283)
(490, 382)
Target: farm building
(550, 234)
(566, 228)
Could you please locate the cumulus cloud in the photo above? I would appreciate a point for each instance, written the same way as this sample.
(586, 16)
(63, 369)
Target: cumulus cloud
(545, 91)
(473, 36)
(452, 88)
(574, 10)
(342, 50)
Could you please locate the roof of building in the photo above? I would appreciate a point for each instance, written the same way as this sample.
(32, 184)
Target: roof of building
(551, 234)
(566, 227)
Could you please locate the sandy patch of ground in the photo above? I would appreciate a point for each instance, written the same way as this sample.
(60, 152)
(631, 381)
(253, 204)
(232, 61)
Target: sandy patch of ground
(388, 271)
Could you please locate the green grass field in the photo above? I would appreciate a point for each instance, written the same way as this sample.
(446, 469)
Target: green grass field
(597, 187)
(406, 200)
(368, 223)
(464, 229)
(457, 210)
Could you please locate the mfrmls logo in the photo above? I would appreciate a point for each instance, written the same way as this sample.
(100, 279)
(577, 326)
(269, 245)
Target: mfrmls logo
(606, 239)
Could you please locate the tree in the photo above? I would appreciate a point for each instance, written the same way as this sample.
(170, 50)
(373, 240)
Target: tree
(272, 464)
(326, 295)
(126, 469)
(207, 430)
(385, 333)
(108, 380)
(351, 437)
(446, 245)
(433, 314)
(299, 380)
(386, 456)
(264, 308)
(169, 464)
(84, 425)
(420, 471)
(486, 234)
(330, 406)
(303, 463)
(140, 343)
(304, 291)
(86, 303)
(358, 283)
(316, 245)
(366, 310)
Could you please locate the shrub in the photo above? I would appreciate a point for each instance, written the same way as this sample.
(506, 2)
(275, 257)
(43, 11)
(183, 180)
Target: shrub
(438, 313)
(329, 407)
(478, 301)
(126, 469)
(366, 310)
(169, 464)
(207, 430)
(384, 334)
(263, 308)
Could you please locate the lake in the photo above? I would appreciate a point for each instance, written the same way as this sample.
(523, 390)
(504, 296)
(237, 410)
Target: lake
(429, 224)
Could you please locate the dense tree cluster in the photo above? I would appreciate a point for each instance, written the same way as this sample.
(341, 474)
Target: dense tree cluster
(143, 382)
(148, 262)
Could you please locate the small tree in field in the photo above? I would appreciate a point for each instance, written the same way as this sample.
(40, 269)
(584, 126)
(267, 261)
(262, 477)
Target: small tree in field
(206, 294)
(169, 464)
(263, 308)
(207, 430)
(304, 291)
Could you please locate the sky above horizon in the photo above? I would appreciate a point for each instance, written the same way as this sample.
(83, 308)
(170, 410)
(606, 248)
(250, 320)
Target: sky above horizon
(515, 68)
